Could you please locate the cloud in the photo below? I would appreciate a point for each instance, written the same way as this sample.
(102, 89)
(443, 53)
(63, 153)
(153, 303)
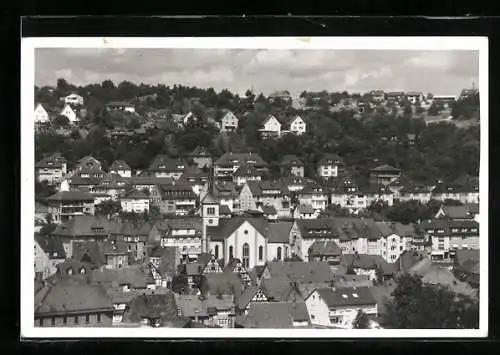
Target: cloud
(266, 70)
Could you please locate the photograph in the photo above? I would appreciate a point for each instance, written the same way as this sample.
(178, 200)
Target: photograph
(322, 187)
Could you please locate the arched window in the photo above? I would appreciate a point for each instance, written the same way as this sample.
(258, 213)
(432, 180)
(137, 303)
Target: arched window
(261, 253)
(279, 253)
(231, 255)
(246, 255)
(216, 252)
(286, 252)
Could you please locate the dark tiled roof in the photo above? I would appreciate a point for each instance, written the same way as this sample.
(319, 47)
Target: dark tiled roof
(303, 272)
(275, 315)
(149, 180)
(89, 252)
(85, 226)
(291, 160)
(227, 283)
(136, 277)
(325, 248)
(328, 159)
(269, 210)
(365, 261)
(227, 159)
(224, 210)
(200, 151)
(385, 168)
(349, 296)
(53, 247)
(119, 165)
(457, 212)
(280, 232)
(135, 195)
(305, 209)
(247, 296)
(247, 170)
(68, 296)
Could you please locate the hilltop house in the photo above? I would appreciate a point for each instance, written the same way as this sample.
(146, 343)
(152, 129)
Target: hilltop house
(229, 122)
(120, 106)
(121, 168)
(384, 175)
(164, 166)
(201, 157)
(280, 96)
(70, 114)
(414, 97)
(41, 115)
(314, 195)
(292, 165)
(271, 128)
(64, 204)
(52, 169)
(228, 163)
(295, 125)
(73, 100)
(330, 166)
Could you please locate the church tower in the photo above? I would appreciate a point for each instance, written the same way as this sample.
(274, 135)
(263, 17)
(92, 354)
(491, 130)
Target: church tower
(209, 213)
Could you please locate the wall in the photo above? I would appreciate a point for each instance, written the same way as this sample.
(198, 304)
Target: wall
(254, 240)
(317, 309)
(272, 251)
(106, 320)
(138, 206)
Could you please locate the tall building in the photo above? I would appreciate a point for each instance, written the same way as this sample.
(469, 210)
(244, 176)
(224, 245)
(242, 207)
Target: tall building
(209, 213)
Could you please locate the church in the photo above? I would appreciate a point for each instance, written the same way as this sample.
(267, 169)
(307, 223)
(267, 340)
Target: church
(253, 240)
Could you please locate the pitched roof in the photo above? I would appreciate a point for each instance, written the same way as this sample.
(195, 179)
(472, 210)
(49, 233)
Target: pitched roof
(135, 195)
(303, 272)
(53, 247)
(71, 196)
(389, 228)
(247, 296)
(305, 209)
(275, 315)
(247, 170)
(228, 226)
(119, 165)
(85, 226)
(149, 180)
(348, 296)
(456, 212)
(324, 248)
(89, 252)
(279, 232)
(224, 210)
(136, 276)
(269, 210)
(365, 261)
(200, 151)
(168, 259)
(70, 295)
(291, 160)
(228, 158)
(203, 306)
(328, 159)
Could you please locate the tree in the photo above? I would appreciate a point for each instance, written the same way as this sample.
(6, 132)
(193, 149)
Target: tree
(180, 284)
(415, 305)
(433, 110)
(61, 121)
(361, 321)
(108, 208)
(350, 270)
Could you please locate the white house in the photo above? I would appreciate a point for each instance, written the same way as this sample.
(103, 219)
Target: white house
(70, 114)
(229, 122)
(297, 126)
(41, 115)
(329, 166)
(271, 127)
(121, 168)
(135, 201)
(121, 106)
(338, 307)
(73, 99)
(315, 196)
(414, 97)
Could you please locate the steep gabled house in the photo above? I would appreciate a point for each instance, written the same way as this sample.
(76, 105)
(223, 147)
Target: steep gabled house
(121, 168)
(164, 166)
(271, 127)
(272, 193)
(201, 157)
(228, 163)
(292, 165)
(229, 122)
(246, 173)
(330, 165)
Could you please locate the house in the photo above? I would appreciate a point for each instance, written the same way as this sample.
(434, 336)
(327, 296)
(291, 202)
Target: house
(374, 193)
(465, 191)
(41, 115)
(269, 212)
(201, 157)
(369, 265)
(267, 192)
(228, 163)
(210, 263)
(377, 95)
(64, 204)
(178, 199)
(150, 183)
(325, 251)
(163, 262)
(460, 213)
(133, 278)
(135, 201)
(447, 236)
(305, 232)
(135, 235)
(295, 125)
(246, 173)
(73, 303)
(164, 166)
(272, 315)
(295, 183)
(82, 229)
(338, 307)
(304, 211)
(415, 192)
(314, 195)
(229, 122)
(349, 280)
(120, 106)
(395, 96)
(466, 266)
(414, 97)
(51, 169)
(346, 194)
(278, 241)
(189, 118)
(210, 310)
(185, 234)
(329, 166)
(121, 168)
(224, 284)
(88, 162)
(73, 100)
(444, 101)
(116, 254)
(225, 193)
(271, 127)
(70, 114)
(292, 165)
(110, 186)
(195, 178)
(282, 96)
(395, 238)
(49, 252)
(384, 175)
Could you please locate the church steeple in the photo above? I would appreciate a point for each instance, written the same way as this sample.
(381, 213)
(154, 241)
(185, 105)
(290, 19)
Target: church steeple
(209, 211)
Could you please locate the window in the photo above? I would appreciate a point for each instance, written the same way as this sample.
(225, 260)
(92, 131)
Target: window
(210, 221)
(87, 318)
(98, 317)
(76, 320)
(216, 252)
(230, 252)
(211, 211)
(261, 252)
(279, 253)
(245, 231)
(313, 316)
(246, 255)
(473, 230)
(65, 320)
(53, 321)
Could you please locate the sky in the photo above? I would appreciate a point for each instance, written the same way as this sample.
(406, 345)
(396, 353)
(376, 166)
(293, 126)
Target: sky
(266, 70)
